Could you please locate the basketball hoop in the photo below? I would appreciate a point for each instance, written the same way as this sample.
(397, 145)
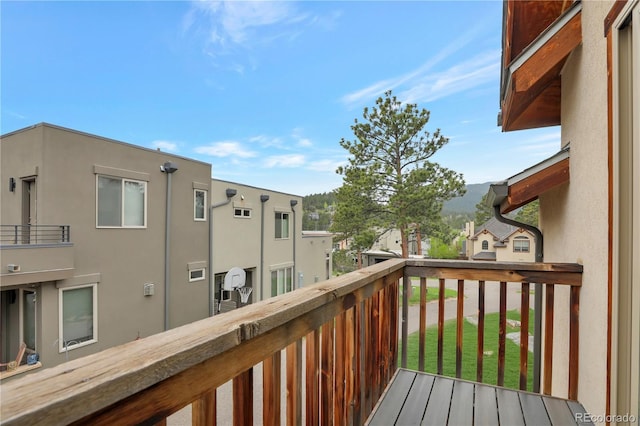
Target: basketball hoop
(245, 292)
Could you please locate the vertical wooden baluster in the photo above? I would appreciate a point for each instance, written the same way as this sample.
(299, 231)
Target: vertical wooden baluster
(382, 343)
(423, 323)
(375, 350)
(203, 410)
(271, 383)
(524, 335)
(367, 379)
(348, 366)
(548, 339)
(243, 398)
(312, 413)
(459, 325)
(327, 376)
(162, 422)
(574, 335)
(338, 401)
(502, 332)
(294, 383)
(440, 324)
(406, 291)
(358, 365)
(394, 303)
(480, 353)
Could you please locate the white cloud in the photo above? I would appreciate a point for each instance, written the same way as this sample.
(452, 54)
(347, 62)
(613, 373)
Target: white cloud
(288, 160)
(414, 77)
(325, 165)
(225, 149)
(464, 76)
(247, 23)
(304, 142)
(266, 141)
(165, 145)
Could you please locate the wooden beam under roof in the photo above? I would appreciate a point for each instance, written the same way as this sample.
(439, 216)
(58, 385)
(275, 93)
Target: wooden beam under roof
(531, 86)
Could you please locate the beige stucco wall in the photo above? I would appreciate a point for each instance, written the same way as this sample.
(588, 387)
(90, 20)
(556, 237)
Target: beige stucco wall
(237, 241)
(506, 254)
(574, 216)
(314, 247)
(124, 259)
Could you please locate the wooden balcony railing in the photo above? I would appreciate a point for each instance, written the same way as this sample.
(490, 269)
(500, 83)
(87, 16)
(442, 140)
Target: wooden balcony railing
(349, 327)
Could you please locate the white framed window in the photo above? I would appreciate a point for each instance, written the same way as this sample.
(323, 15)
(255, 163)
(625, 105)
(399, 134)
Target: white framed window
(521, 245)
(485, 245)
(281, 281)
(199, 204)
(242, 212)
(78, 316)
(282, 225)
(120, 202)
(220, 291)
(197, 274)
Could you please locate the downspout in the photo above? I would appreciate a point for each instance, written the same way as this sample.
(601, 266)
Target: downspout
(294, 277)
(168, 168)
(230, 193)
(497, 194)
(263, 199)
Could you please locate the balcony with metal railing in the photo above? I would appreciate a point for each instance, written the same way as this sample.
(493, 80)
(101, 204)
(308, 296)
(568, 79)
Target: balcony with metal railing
(340, 343)
(35, 253)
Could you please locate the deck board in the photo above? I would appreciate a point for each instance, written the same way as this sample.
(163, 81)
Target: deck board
(392, 400)
(417, 398)
(461, 411)
(437, 411)
(414, 408)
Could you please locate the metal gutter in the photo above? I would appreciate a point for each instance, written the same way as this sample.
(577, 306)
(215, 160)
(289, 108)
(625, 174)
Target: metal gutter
(496, 195)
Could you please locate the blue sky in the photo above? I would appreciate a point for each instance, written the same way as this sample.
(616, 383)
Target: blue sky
(263, 91)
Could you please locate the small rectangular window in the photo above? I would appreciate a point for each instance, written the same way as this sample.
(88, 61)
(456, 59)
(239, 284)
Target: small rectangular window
(78, 316)
(196, 274)
(199, 204)
(521, 245)
(242, 212)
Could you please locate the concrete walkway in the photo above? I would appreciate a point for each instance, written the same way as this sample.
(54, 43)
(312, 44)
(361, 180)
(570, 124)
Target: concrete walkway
(492, 304)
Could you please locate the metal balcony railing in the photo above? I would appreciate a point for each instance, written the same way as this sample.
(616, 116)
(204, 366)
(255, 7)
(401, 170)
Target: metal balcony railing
(340, 338)
(34, 234)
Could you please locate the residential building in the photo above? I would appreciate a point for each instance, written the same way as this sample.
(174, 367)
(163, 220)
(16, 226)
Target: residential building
(104, 242)
(577, 65)
(499, 241)
(260, 232)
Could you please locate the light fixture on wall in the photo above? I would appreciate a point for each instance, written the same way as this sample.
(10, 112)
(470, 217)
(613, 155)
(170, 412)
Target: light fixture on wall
(12, 185)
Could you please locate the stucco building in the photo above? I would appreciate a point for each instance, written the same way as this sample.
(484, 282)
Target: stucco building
(103, 242)
(577, 65)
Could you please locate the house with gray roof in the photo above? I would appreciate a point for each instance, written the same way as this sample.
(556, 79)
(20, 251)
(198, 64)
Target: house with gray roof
(499, 241)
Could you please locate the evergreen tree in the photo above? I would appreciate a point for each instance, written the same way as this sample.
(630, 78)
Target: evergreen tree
(390, 172)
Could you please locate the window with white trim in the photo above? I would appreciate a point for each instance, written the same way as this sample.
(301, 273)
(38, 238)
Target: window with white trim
(485, 245)
(282, 225)
(242, 212)
(281, 281)
(78, 316)
(199, 204)
(521, 244)
(121, 203)
(196, 274)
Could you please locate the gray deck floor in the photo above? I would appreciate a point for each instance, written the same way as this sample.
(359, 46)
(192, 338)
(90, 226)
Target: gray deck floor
(415, 398)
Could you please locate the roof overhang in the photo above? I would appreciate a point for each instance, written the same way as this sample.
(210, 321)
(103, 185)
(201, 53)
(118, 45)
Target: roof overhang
(527, 185)
(531, 81)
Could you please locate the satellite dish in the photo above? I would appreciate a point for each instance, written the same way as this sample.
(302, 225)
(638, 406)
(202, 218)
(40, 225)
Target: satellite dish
(235, 278)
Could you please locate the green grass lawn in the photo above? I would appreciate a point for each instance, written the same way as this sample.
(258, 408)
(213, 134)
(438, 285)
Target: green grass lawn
(432, 294)
(469, 348)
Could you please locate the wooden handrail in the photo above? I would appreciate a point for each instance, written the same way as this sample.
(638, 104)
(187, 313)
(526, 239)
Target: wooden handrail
(350, 326)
